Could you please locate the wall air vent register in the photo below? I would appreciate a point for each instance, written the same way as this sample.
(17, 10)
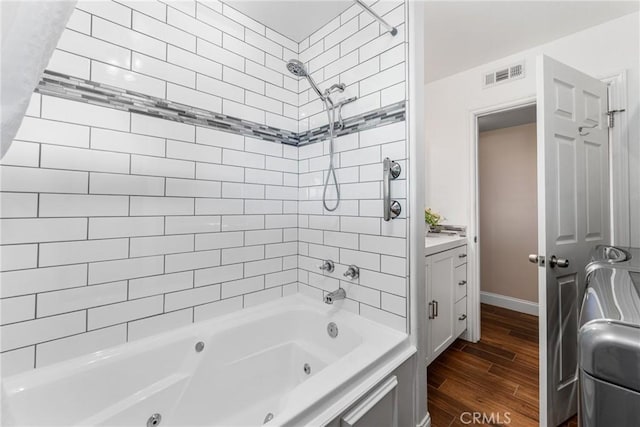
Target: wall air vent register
(505, 74)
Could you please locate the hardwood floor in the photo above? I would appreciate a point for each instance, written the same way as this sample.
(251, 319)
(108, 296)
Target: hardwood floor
(497, 375)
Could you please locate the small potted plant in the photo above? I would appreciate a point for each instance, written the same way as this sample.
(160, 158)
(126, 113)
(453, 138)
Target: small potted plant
(433, 219)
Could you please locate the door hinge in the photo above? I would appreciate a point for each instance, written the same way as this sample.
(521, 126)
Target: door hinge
(611, 115)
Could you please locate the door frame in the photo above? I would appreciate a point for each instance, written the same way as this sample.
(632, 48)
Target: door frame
(618, 182)
(619, 210)
(473, 256)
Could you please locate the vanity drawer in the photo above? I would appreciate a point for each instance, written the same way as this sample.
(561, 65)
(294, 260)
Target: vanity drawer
(460, 312)
(460, 256)
(460, 282)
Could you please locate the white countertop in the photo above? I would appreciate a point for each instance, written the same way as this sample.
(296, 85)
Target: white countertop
(435, 243)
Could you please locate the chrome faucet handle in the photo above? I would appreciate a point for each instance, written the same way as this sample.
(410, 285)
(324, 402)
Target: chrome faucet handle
(328, 266)
(353, 272)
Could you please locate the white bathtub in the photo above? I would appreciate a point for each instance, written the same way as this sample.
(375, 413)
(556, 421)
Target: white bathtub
(252, 365)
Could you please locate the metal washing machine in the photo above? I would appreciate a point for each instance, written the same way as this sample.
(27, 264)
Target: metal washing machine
(609, 340)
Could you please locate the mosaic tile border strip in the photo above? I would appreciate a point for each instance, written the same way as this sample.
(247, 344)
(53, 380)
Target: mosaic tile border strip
(382, 116)
(77, 89)
(87, 91)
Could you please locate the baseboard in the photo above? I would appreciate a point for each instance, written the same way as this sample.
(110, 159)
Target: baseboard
(426, 421)
(515, 304)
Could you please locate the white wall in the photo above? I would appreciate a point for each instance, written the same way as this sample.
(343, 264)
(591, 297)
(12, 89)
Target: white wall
(600, 51)
(508, 211)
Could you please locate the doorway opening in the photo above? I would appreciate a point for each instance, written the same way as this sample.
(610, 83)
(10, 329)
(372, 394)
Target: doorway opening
(507, 208)
(504, 363)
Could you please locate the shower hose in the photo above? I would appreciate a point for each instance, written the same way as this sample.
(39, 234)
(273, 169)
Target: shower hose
(331, 173)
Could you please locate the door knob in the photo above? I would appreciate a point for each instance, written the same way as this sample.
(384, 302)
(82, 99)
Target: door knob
(536, 259)
(560, 262)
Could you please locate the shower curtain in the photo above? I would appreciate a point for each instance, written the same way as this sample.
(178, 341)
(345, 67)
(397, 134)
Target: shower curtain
(30, 33)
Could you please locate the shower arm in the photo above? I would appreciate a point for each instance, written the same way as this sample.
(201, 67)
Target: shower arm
(392, 30)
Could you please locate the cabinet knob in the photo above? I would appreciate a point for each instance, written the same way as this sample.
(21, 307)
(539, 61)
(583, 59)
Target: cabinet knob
(462, 282)
(462, 317)
(462, 256)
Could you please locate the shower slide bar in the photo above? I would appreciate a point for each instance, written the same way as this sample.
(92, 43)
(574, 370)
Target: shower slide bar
(392, 30)
(339, 106)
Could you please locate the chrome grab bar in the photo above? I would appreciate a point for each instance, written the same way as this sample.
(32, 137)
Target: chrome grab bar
(391, 208)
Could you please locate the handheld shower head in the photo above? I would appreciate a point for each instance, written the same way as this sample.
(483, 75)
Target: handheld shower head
(296, 68)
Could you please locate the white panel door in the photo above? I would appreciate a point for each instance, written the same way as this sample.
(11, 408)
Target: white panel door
(572, 218)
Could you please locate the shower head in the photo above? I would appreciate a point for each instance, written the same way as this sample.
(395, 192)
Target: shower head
(296, 68)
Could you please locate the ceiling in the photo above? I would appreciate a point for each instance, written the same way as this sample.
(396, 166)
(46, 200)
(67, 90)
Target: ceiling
(301, 17)
(460, 35)
(507, 119)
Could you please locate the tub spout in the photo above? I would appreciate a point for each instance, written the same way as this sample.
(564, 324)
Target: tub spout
(335, 295)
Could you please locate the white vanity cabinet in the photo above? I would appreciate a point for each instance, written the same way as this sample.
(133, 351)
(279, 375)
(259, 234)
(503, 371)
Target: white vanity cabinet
(446, 303)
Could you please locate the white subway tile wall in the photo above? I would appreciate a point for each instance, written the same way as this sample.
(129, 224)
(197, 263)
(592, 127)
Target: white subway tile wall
(116, 225)
(356, 51)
